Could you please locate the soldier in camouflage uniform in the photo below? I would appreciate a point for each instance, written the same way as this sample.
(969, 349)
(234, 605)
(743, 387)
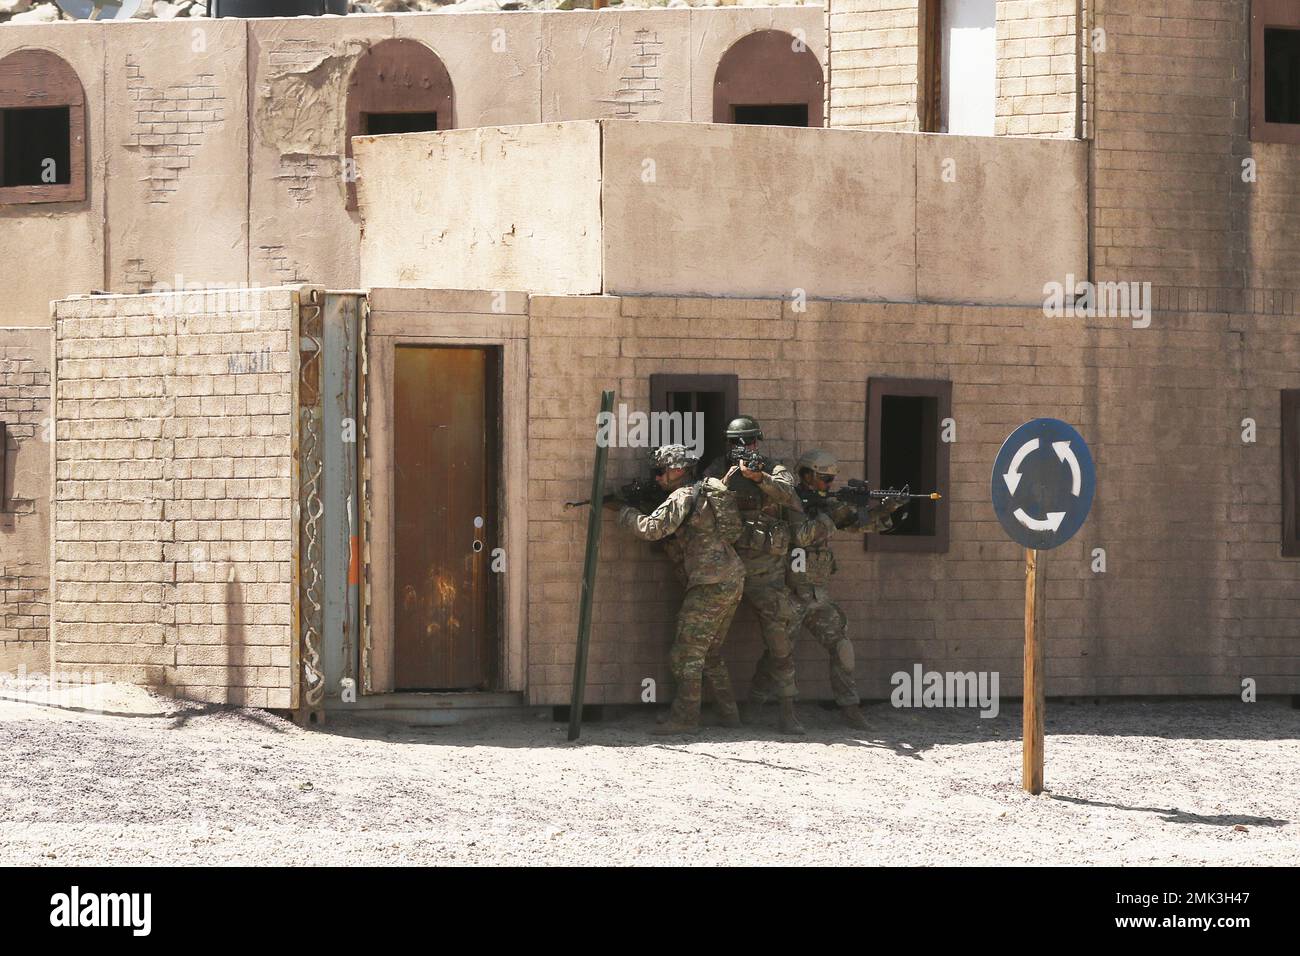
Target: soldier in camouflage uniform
(811, 568)
(703, 519)
(766, 499)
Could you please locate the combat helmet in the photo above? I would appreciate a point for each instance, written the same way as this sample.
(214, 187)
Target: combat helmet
(672, 456)
(744, 427)
(818, 460)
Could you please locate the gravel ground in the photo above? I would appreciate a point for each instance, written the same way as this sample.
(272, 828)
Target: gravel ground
(156, 781)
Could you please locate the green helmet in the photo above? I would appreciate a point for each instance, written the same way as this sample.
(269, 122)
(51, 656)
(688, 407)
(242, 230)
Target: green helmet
(818, 460)
(744, 427)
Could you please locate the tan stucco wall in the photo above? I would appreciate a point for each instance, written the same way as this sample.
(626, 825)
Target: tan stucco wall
(1010, 217)
(840, 214)
(514, 207)
(176, 136)
(261, 199)
(691, 209)
(299, 226)
(592, 72)
(739, 210)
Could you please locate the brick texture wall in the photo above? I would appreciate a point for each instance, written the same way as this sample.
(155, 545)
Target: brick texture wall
(1194, 597)
(24, 502)
(873, 57)
(173, 493)
(1171, 123)
(1036, 51)
(170, 124)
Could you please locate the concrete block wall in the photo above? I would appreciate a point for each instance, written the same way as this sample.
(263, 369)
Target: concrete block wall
(174, 527)
(1174, 204)
(1037, 80)
(874, 55)
(1195, 595)
(24, 504)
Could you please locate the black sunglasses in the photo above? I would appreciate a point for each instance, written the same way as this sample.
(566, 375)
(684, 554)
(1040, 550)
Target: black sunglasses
(656, 472)
(825, 478)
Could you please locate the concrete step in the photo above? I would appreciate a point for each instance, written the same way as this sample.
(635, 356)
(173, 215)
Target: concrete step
(430, 709)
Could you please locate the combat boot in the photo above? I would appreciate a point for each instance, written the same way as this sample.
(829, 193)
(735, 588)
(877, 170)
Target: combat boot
(684, 718)
(728, 709)
(789, 719)
(851, 714)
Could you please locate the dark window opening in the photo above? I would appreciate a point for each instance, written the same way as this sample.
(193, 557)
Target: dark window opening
(712, 395)
(378, 124)
(35, 138)
(1281, 76)
(1274, 71)
(779, 114)
(907, 455)
(1291, 472)
(904, 446)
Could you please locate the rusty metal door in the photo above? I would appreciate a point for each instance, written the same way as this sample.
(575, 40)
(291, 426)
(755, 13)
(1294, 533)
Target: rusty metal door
(445, 450)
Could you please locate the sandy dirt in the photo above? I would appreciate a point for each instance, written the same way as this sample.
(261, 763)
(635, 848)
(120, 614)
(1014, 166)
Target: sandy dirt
(155, 781)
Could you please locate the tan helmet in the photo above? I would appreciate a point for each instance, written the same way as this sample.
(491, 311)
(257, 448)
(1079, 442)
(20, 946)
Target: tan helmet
(672, 456)
(818, 460)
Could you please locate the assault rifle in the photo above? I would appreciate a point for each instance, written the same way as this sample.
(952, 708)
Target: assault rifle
(857, 492)
(644, 496)
(858, 495)
(751, 460)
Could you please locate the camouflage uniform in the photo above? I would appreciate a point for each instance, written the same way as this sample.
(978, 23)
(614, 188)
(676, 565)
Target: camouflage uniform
(812, 532)
(715, 580)
(816, 611)
(765, 508)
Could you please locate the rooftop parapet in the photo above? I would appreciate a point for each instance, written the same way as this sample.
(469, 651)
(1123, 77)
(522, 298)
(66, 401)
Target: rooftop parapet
(637, 208)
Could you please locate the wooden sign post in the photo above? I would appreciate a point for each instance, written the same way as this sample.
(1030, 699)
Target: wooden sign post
(1042, 488)
(1034, 700)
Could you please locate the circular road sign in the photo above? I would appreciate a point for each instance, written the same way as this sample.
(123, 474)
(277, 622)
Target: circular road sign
(1043, 482)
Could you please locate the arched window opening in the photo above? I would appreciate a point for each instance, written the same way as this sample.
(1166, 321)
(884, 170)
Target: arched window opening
(397, 86)
(42, 129)
(768, 78)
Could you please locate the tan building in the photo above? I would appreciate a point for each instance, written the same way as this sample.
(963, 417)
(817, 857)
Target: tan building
(880, 292)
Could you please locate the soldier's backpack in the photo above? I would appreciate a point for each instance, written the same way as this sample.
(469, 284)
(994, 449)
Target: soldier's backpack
(722, 502)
